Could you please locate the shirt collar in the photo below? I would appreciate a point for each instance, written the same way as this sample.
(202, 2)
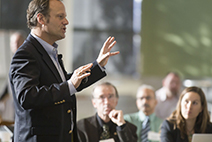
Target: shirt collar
(142, 116)
(49, 48)
(101, 122)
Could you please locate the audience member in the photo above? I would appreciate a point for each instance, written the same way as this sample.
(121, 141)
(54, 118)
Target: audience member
(145, 119)
(6, 99)
(168, 95)
(107, 123)
(16, 40)
(43, 92)
(191, 116)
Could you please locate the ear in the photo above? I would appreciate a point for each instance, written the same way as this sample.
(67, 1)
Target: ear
(94, 103)
(136, 102)
(117, 99)
(41, 19)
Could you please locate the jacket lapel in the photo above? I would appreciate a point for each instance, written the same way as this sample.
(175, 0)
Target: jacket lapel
(45, 57)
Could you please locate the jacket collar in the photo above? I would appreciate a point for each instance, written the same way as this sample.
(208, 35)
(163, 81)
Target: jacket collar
(44, 56)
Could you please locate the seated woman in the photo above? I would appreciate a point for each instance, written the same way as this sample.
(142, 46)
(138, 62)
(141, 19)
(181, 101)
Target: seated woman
(191, 116)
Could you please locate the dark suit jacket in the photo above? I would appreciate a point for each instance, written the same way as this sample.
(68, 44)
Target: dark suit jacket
(169, 134)
(43, 102)
(89, 131)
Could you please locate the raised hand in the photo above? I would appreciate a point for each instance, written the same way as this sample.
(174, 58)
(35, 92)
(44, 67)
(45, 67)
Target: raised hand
(105, 51)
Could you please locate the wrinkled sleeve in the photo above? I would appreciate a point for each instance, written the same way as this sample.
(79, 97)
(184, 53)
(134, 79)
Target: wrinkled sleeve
(128, 133)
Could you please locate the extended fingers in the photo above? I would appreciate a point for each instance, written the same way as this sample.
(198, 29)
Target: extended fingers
(108, 54)
(84, 69)
(110, 42)
(114, 53)
(111, 45)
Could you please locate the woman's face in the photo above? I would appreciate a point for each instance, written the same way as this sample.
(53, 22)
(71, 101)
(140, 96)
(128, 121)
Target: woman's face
(191, 105)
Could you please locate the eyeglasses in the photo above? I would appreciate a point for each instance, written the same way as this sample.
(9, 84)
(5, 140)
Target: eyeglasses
(147, 98)
(109, 98)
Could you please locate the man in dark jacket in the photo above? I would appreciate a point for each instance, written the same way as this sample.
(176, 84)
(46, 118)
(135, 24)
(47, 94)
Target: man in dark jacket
(44, 94)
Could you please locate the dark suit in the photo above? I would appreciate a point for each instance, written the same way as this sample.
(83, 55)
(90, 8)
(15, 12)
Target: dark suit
(89, 131)
(169, 134)
(43, 102)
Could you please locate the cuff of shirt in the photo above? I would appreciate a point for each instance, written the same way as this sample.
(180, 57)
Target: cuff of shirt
(72, 89)
(102, 68)
(119, 128)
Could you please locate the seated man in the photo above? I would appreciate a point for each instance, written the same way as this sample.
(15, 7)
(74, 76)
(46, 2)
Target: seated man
(108, 123)
(145, 119)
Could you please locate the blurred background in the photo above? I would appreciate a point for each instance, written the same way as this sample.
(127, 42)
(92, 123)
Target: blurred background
(153, 37)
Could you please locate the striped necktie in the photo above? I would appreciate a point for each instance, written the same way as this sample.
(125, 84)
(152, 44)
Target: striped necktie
(145, 130)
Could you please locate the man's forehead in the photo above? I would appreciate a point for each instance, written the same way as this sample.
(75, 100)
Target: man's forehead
(172, 76)
(145, 92)
(55, 5)
(103, 89)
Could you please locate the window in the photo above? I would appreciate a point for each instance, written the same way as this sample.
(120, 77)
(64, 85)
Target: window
(94, 21)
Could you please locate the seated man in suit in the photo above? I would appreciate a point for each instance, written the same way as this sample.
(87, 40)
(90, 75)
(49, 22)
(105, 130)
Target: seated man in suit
(108, 123)
(145, 119)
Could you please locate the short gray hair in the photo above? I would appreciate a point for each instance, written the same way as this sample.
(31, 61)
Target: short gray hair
(106, 84)
(145, 86)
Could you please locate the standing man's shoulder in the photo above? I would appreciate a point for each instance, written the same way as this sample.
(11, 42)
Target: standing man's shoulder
(28, 44)
(29, 40)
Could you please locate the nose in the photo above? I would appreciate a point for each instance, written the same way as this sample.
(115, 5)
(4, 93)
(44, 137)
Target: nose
(106, 100)
(66, 22)
(189, 105)
(145, 100)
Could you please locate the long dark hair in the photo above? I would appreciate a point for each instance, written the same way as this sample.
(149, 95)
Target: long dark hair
(202, 119)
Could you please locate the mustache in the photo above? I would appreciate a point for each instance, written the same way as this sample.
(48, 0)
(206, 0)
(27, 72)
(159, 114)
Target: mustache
(145, 105)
